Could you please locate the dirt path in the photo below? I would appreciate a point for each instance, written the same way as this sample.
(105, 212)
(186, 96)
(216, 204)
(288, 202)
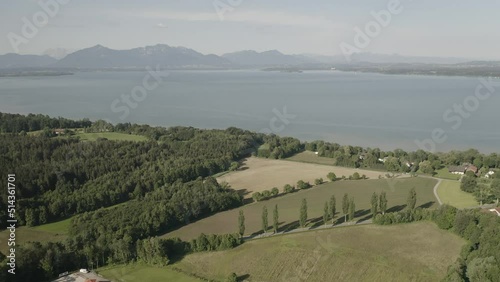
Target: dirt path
(435, 190)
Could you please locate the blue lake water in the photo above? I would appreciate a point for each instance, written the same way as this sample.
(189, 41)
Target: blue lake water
(375, 110)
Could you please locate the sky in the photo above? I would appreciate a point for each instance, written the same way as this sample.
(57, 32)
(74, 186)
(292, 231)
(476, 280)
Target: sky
(458, 28)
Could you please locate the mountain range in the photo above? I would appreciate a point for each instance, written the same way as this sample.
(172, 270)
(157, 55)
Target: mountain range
(100, 57)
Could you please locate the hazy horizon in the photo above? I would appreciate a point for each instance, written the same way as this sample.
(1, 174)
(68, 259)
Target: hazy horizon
(464, 30)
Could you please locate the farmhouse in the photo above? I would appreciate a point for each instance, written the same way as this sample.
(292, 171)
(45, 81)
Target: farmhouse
(457, 169)
(464, 168)
(495, 210)
(472, 168)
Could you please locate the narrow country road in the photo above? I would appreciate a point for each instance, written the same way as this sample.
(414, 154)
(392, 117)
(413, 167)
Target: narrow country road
(435, 190)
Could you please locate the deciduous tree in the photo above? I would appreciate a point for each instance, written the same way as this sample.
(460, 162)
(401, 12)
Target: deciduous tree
(352, 209)
(241, 223)
(411, 201)
(333, 207)
(345, 206)
(275, 219)
(383, 202)
(264, 219)
(374, 202)
(303, 213)
(326, 213)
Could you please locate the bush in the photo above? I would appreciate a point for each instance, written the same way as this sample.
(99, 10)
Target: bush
(355, 176)
(288, 188)
(215, 242)
(445, 216)
(266, 194)
(275, 191)
(257, 196)
(232, 277)
(331, 176)
(318, 181)
(303, 185)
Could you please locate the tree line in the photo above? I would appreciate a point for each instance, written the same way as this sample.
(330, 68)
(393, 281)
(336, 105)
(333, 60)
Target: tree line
(399, 160)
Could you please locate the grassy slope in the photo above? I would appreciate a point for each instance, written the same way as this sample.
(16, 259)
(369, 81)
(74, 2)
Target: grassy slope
(445, 174)
(449, 192)
(289, 205)
(410, 252)
(50, 232)
(26, 234)
(110, 136)
(60, 227)
(144, 273)
(311, 157)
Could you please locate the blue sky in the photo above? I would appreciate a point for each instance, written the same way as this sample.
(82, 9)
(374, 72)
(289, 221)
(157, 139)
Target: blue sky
(423, 28)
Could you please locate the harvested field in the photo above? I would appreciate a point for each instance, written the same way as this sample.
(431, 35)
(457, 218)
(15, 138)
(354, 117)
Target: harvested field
(257, 174)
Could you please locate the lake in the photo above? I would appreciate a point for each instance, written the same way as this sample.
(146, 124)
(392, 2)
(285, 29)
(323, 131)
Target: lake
(373, 110)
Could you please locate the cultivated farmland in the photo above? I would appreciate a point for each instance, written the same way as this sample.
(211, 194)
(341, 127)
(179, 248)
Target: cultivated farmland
(407, 252)
(289, 205)
(257, 174)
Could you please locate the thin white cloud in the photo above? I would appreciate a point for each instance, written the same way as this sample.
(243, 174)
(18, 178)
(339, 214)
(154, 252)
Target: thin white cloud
(242, 16)
(161, 25)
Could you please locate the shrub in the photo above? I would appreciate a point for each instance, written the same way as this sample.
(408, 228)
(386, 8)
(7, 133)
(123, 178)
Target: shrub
(257, 196)
(288, 188)
(275, 191)
(303, 185)
(318, 181)
(266, 194)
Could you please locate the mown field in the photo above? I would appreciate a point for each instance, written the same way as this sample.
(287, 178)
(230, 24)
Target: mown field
(449, 192)
(50, 232)
(311, 157)
(258, 174)
(407, 252)
(144, 273)
(26, 234)
(110, 136)
(93, 136)
(445, 174)
(289, 205)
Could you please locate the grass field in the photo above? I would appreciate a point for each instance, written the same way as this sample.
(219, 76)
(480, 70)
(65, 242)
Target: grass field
(258, 174)
(289, 205)
(60, 227)
(311, 157)
(407, 252)
(445, 174)
(111, 136)
(449, 192)
(144, 273)
(50, 232)
(26, 234)
(93, 136)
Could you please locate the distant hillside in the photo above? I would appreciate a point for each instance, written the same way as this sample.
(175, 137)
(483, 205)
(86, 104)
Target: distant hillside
(164, 55)
(267, 58)
(23, 61)
(396, 58)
